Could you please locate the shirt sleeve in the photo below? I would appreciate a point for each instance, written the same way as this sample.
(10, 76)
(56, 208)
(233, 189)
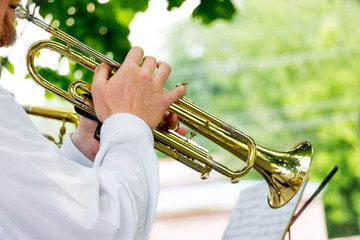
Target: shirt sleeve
(70, 151)
(47, 196)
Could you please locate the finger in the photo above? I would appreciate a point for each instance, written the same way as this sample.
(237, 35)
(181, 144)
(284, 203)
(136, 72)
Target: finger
(149, 64)
(182, 131)
(174, 94)
(134, 56)
(100, 78)
(172, 121)
(101, 74)
(162, 73)
(163, 121)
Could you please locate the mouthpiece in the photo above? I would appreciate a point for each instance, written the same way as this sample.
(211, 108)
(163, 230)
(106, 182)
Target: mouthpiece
(22, 13)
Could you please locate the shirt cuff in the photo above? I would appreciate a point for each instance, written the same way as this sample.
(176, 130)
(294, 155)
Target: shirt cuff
(69, 151)
(125, 128)
(124, 121)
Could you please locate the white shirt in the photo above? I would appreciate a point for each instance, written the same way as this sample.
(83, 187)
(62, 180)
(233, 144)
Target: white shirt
(44, 195)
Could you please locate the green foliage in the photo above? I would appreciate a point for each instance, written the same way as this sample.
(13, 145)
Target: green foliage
(284, 72)
(9, 67)
(210, 10)
(52, 76)
(174, 3)
(81, 20)
(4, 62)
(105, 26)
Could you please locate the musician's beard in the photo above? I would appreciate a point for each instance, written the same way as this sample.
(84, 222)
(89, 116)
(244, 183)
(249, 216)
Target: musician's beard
(8, 33)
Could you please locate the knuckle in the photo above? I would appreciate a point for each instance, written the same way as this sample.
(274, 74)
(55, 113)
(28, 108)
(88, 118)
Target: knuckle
(130, 69)
(144, 75)
(166, 101)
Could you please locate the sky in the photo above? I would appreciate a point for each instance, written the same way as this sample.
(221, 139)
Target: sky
(147, 30)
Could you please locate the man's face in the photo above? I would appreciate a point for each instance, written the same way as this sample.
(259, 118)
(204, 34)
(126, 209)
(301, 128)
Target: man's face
(7, 20)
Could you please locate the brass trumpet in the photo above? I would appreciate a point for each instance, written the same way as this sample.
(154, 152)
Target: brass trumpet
(285, 172)
(54, 113)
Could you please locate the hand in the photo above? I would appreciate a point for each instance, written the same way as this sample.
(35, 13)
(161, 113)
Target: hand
(83, 138)
(136, 88)
(170, 121)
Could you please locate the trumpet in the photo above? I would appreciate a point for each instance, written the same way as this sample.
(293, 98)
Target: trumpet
(54, 113)
(284, 172)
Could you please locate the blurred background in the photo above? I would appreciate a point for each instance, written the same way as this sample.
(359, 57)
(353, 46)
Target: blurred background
(283, 71)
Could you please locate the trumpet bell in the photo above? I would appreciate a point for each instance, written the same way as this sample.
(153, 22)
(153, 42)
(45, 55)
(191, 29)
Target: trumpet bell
(284, 172)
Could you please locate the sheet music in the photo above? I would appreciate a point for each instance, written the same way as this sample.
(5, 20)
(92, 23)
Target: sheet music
(253, 219)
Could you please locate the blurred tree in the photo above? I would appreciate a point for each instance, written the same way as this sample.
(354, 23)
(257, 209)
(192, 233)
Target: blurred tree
(104, 25)
(285, 71)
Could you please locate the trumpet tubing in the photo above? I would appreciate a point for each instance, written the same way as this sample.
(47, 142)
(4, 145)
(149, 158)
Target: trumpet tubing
(284, 172)
(54, 113)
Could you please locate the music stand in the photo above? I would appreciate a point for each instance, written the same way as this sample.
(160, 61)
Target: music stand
(253, 219)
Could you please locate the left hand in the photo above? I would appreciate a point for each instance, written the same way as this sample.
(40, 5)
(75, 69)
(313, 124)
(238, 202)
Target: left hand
(83, 138)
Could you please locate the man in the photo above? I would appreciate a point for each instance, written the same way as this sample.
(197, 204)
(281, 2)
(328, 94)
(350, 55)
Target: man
(46, 196)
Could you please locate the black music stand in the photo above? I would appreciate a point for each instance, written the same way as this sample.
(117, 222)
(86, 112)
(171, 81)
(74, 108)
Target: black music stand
(318, 190)
(253, 219)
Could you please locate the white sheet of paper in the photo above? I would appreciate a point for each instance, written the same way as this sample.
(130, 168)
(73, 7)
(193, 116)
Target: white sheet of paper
(253, 219)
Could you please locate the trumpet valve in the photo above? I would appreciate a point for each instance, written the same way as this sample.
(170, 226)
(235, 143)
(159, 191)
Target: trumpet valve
(193, 134)
(235, 180)
(205, 175)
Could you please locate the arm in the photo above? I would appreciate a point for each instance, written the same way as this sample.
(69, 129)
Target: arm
(48, 195)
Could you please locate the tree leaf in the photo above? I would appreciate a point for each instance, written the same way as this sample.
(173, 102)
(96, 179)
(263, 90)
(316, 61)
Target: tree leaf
(210, 10)
(9, 67)
(174, 3)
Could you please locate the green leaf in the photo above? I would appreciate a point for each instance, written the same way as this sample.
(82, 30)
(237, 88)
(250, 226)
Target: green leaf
(9, 67)
(174, 3)
(2, 59)
(4, 62)
(210, 10)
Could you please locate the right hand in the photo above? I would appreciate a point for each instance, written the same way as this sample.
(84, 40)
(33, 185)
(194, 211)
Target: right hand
(134, 88)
